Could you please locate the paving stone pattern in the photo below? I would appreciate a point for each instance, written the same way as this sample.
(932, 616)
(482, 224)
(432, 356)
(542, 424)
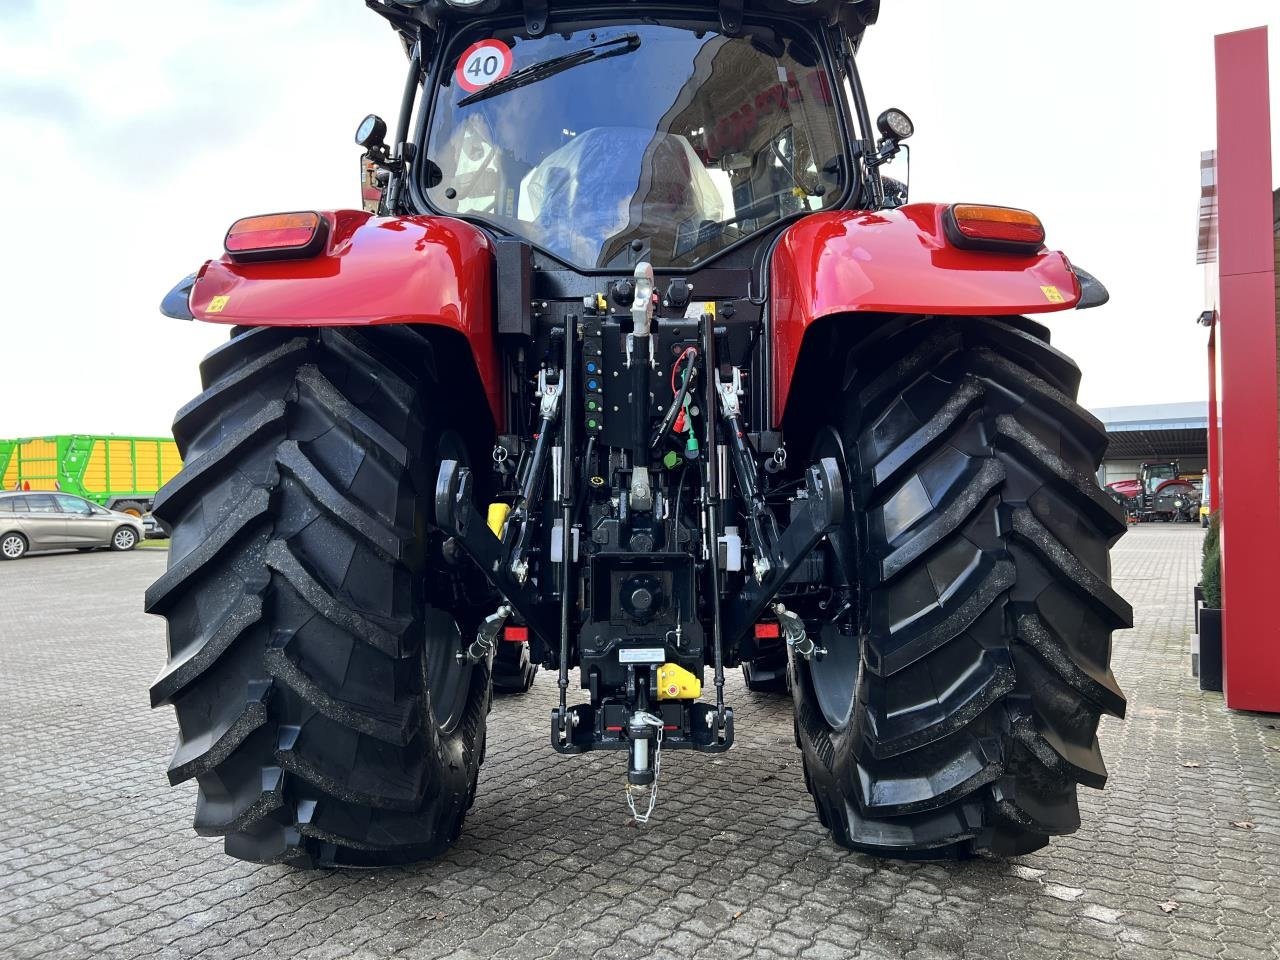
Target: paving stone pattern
(97, 857)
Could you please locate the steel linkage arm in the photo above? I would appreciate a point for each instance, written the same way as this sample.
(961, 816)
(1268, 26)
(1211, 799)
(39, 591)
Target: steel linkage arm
(457, 516)
(825, 497)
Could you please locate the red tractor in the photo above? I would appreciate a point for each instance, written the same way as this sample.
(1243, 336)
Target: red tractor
(1159, 492)
(642, 369)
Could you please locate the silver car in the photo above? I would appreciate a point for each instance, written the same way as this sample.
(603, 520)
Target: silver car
(59, 521)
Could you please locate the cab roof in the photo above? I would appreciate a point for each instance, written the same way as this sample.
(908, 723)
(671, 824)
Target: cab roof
(411, 17)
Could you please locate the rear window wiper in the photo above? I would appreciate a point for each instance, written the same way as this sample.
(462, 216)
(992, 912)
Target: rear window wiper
(548, 68)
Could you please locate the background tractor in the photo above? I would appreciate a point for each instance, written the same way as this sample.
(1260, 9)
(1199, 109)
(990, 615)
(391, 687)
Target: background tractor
(636, 366)
(1159, 492)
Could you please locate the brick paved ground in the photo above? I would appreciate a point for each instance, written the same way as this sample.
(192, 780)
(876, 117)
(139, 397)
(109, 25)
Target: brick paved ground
(97, 858)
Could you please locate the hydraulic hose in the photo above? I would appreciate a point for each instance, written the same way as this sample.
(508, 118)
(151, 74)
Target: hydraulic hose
(678, 401)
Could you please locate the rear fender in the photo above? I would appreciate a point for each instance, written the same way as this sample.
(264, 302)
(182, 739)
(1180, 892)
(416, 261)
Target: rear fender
(857, 264)
(373, 270)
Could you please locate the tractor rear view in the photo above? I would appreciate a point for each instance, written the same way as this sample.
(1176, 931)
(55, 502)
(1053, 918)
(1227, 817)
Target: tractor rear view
(642, 368)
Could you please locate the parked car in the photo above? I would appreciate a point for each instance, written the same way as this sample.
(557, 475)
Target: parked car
(153, 528)
(60, 521)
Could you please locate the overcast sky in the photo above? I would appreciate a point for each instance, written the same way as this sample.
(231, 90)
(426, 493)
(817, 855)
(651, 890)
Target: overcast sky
(131, 135)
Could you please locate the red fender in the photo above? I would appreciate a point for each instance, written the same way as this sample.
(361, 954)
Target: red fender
(373, 270)
(896, 261)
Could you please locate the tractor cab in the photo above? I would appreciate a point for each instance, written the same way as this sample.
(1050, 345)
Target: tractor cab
(611, 142)
(617, 135)
(1155, 475)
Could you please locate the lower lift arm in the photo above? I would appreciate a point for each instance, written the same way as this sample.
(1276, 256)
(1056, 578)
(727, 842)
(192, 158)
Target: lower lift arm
(776, 555)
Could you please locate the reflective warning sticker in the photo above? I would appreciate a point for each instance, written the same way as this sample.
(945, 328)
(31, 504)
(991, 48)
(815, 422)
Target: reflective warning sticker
(217, 304)
(481, 64)
(1053, 294)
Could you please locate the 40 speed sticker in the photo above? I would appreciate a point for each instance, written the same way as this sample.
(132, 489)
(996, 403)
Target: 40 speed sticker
(481, 64)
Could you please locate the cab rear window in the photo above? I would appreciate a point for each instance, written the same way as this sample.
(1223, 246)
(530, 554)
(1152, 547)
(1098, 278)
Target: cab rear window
(672, 139)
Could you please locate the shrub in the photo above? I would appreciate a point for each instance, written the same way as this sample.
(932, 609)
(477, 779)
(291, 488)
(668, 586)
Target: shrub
(1211, 566)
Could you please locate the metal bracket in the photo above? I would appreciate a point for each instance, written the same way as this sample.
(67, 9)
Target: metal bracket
(825, 497)
(458, 517)
(640, 493)
(535, 17)
(730, 390)
(731, 17)
(549, 396)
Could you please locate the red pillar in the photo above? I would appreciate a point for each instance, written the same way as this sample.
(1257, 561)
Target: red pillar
(1250, 440)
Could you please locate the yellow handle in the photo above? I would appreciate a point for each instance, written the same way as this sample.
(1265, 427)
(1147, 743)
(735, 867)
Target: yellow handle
(497, 517)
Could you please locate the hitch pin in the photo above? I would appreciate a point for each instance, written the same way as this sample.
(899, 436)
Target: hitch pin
(794, 633)
(482, 646)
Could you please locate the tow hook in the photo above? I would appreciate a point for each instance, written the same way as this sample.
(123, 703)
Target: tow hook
(486, 637)
(794, 633)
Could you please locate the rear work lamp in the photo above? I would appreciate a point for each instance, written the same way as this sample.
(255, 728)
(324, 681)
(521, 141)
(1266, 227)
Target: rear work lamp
(277, 236)
(973, 226)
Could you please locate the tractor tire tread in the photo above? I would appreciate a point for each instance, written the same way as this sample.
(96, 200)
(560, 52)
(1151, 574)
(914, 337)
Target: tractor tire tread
(296, 578)
(986, 630)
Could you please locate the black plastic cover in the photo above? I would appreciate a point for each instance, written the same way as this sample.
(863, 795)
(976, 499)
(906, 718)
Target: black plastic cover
(176, 302)
(514, 264)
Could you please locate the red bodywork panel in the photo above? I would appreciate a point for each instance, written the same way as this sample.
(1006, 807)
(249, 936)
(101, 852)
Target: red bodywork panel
(1131, 488)
(373, 270)
(897, 261)
(1126, 488)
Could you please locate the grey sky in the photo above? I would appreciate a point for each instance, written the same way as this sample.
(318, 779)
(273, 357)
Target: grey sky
(130, 141)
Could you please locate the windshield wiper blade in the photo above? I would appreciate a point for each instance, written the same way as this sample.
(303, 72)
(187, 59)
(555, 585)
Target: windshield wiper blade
(549, 68)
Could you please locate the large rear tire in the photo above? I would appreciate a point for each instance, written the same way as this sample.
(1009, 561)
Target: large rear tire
(769, 674)
(956, 708)
(320, 705)
(513, 669)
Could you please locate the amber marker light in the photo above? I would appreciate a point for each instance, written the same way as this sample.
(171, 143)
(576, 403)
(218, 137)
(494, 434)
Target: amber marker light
(980, 227)
(276, 236)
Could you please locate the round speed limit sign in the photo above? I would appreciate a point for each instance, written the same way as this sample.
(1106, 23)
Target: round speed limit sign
(481, 64)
